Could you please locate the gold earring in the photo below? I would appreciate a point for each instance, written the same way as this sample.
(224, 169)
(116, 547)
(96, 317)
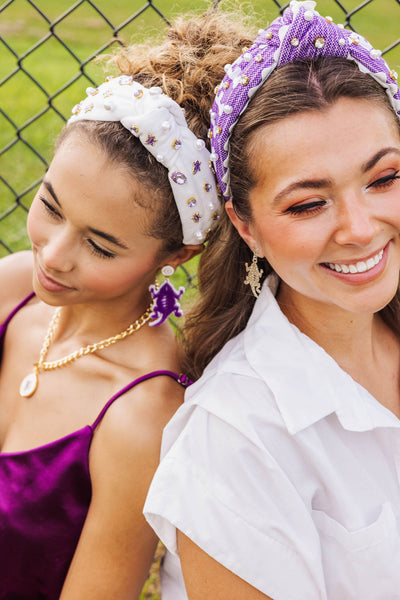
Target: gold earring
(254, 274)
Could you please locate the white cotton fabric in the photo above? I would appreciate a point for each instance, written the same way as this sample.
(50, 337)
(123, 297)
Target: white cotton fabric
(283, 469)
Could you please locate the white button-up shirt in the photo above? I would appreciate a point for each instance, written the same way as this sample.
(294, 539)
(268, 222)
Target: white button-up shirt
(284, 469)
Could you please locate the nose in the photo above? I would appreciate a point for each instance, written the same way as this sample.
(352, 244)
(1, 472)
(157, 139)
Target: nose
(356, 224)
(58, 252)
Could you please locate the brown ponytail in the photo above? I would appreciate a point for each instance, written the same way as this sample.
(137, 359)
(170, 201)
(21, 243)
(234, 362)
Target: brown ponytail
(225, 303)
(190, 61)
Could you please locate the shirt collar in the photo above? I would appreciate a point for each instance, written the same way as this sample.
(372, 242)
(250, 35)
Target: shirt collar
(307, 383)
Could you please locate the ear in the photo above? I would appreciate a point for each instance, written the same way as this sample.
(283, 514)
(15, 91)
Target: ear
(184, 254)
(244, 228)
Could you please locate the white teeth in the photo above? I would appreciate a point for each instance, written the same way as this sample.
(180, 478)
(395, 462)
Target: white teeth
(359, 267)
(370, 263)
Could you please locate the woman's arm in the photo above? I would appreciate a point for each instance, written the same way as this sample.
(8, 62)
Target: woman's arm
(230, 490)
(117, 545)
(206, 578)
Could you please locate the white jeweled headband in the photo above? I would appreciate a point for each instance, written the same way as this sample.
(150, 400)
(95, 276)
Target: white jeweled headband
(159, 123)
(301, 33)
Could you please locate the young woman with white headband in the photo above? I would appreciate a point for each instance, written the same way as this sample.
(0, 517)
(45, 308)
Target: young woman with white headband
(282, 468)
(87, 382)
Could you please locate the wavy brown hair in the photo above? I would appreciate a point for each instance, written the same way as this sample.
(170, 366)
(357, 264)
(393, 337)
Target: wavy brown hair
(225, 303)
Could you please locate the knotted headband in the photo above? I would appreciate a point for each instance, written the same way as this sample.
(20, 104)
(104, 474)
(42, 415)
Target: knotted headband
(159, 123)
(299, 34)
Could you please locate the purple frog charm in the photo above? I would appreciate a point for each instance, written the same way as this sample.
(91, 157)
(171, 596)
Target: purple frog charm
(166, 299)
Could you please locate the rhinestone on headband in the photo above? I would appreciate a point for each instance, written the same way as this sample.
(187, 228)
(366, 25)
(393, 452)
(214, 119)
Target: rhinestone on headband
(299, 34)
(160, 124)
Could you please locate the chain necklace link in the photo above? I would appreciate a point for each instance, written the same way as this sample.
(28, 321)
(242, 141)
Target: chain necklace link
(30, 383)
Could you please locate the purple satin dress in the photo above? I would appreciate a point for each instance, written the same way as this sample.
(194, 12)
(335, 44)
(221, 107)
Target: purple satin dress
(45, 495)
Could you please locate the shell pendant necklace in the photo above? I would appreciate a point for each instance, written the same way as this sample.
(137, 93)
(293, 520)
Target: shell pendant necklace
(30, 383)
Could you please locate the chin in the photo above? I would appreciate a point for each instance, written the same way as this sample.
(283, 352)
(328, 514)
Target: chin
(374, 304)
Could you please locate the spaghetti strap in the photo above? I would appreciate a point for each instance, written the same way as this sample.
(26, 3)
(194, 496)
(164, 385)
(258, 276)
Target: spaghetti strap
(3, 326)
(182, 379)
(15, 310)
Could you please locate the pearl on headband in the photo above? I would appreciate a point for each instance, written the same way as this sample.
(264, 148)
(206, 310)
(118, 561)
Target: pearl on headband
(159, 123)
(301, 33)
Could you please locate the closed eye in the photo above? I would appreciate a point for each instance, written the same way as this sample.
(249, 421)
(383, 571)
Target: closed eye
(95, 249)
(49, 208)
(384, 182)
(306, 209)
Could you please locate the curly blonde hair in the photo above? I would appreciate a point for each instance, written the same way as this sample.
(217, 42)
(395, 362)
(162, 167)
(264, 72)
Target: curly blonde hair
(189, 63)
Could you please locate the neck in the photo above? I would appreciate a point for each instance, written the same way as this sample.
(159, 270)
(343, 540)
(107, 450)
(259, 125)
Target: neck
(363, 345)
(351, 339)
(90, 322)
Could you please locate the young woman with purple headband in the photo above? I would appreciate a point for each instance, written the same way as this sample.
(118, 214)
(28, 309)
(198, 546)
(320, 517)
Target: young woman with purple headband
(86, 385)
(280, 475)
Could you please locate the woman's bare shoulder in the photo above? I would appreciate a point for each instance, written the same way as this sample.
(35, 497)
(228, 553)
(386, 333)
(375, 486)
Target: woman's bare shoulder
(131, 433)
(135, 423)
(151, 404)
(15, 280)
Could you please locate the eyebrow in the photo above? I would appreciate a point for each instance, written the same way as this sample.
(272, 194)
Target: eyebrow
(377, 157)
(102, 234)
(108, 237)
(51, 191)
(315, 184)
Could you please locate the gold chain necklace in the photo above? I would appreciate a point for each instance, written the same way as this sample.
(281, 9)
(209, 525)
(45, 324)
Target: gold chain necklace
(30, 383)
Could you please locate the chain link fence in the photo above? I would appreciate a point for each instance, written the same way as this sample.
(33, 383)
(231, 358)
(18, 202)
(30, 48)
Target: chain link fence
(47, 49)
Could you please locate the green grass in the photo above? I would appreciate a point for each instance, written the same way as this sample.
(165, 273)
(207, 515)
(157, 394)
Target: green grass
(84, 31)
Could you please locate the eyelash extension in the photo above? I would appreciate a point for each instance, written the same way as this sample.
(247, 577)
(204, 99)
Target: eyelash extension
(49, 208)
(307, 209)
(95, 249)
(384, 182)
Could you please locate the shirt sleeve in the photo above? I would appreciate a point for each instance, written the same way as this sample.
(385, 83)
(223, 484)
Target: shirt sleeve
(232, 499)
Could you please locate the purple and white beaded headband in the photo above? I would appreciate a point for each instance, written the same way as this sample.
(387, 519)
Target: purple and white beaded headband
(299, 34)
(159, 123)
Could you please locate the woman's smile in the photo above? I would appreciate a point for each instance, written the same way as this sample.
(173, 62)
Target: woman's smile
(48, 283)
(335, 196)
(359, 271)
(357, 267)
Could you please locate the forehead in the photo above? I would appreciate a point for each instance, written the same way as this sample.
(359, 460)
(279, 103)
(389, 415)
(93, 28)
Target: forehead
(85, 179)
(346, 133)
(89, 165)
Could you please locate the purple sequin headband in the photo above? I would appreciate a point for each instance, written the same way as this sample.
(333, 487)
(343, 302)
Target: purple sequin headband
(299, 34)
